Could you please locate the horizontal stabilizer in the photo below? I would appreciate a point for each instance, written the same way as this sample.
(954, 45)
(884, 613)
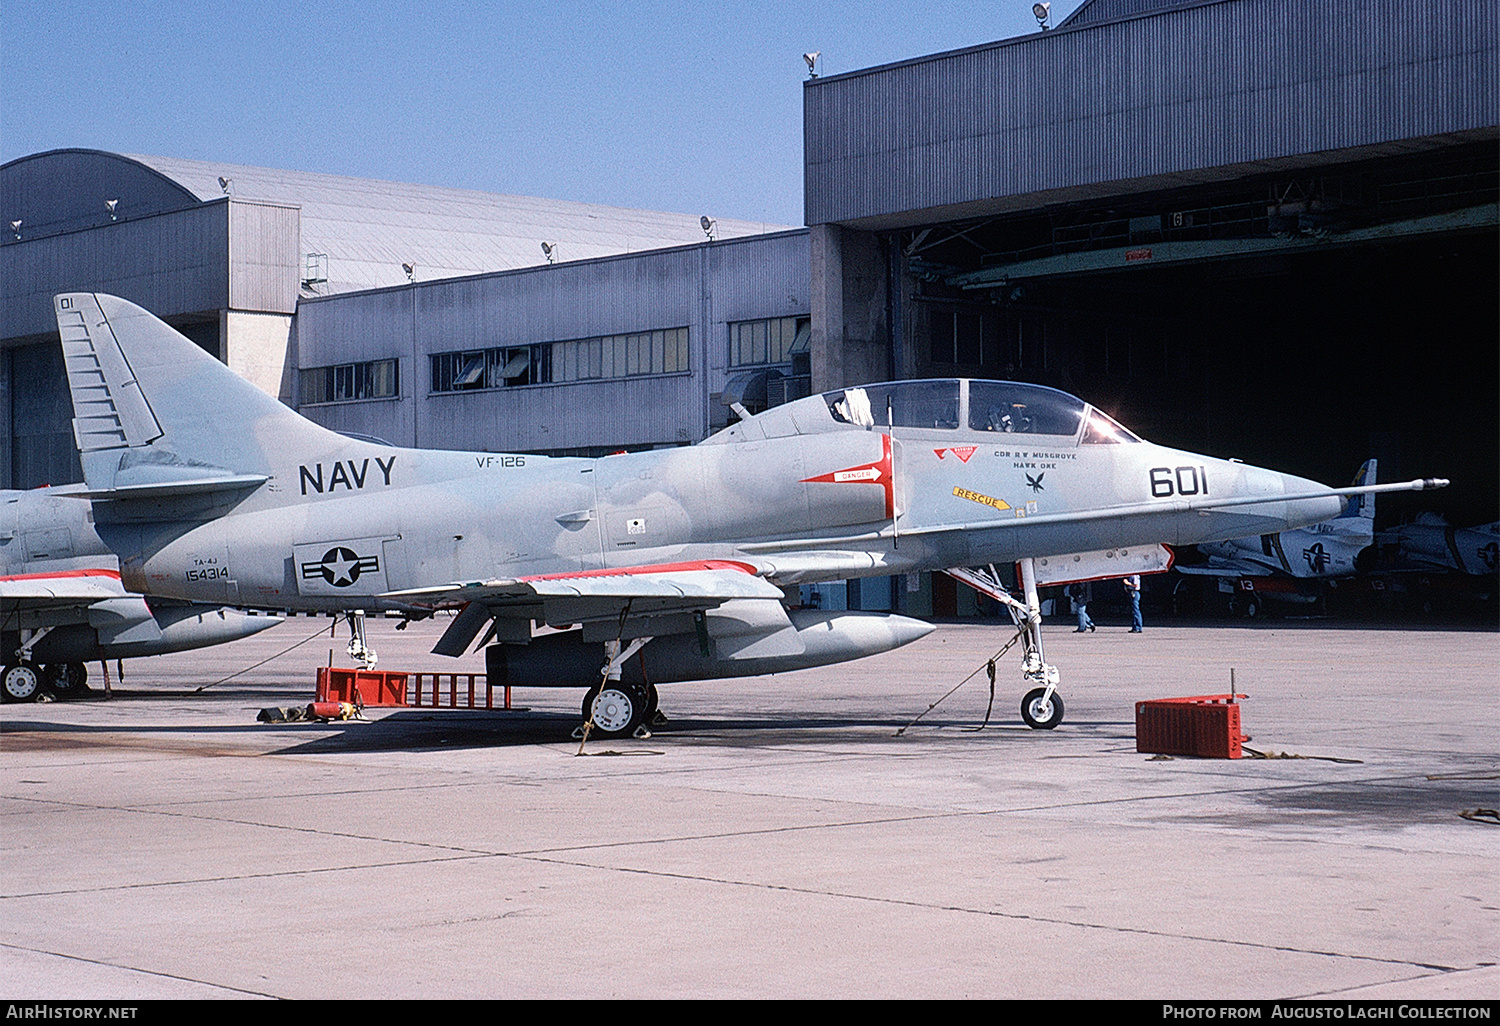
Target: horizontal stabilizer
(172, 489)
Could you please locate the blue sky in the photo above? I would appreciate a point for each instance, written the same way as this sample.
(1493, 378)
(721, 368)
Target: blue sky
(655, 104)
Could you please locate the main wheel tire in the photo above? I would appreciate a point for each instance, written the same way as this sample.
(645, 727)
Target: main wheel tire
(21, 682)
(616, 710)
(1040, 712)
(66, 678)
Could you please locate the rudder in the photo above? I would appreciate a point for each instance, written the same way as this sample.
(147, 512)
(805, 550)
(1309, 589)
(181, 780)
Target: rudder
(155, 414)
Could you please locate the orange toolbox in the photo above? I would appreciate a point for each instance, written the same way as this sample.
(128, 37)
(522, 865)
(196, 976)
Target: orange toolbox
(1205, 725)
(364, 688)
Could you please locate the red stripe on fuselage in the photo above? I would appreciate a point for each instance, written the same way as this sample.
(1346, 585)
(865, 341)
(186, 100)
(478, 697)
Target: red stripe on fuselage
(62, 574)
(658, 568)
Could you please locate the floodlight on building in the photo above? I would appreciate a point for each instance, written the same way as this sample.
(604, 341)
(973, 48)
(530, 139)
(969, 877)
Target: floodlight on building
(15, 227)
(110, 205)
(708, 225)
(225, 183)
(411, 271)
(550, 252)
(1041, 12)
(811, 60)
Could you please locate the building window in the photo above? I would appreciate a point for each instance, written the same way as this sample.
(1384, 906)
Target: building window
(505, 367)
(663, 351)
(1000, 343)
(350, 382)
(773, 341)
(770, 363)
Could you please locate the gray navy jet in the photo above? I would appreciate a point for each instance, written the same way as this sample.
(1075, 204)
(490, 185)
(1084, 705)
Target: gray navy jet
(62, 604)
(668, 565)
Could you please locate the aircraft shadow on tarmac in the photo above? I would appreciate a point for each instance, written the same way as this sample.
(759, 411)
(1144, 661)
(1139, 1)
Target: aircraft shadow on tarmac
(413, 730)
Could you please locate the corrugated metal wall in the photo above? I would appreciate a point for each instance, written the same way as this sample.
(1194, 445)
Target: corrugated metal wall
(265, 256)
(170, 264)
(705, 287)
(65, 190)
(37, 447)
(1189, 94)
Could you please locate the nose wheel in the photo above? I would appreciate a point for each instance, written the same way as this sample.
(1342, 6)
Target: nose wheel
(1040, 710)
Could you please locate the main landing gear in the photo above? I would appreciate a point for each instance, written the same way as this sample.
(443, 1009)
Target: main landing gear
(1042, 708)
(357, 647)
(25, 681)
(22, 679)
(620, 710)
(66, 679)
(615, 709)
(21, 682)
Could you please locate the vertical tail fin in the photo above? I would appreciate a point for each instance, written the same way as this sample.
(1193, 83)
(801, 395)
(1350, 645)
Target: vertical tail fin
(154, 414)
(1362, 505)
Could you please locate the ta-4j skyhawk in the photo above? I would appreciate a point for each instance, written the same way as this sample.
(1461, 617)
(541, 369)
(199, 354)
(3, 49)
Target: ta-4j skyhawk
(62, 604)
(669, 565)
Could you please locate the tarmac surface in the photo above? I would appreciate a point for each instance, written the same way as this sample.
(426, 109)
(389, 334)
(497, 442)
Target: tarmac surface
(776, 839)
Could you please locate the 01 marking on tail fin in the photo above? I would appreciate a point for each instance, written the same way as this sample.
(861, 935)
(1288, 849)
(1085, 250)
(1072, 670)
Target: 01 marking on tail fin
(110, 411)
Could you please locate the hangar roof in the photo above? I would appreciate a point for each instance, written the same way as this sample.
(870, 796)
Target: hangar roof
(366, 228)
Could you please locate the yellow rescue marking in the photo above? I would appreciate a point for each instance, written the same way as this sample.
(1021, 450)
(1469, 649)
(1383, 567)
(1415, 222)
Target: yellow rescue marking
(983, 500)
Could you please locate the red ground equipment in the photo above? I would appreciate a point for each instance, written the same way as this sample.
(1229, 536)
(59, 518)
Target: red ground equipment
(1204, 725)
(364, 688)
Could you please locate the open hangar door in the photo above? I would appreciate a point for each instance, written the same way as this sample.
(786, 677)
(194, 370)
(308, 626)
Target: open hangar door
(1302, 323)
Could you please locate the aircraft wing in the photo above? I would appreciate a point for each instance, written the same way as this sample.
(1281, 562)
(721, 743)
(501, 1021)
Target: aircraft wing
(61, 588)
(588, 596)
(1226, 568)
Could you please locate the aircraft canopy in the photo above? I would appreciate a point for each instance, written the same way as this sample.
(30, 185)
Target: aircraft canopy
(1006, 407)
(940, 404)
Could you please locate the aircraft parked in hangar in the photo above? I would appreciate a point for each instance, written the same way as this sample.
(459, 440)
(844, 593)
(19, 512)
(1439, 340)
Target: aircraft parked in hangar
(1431, 543)
(212, 491)
(62, 604)
(1281, 565)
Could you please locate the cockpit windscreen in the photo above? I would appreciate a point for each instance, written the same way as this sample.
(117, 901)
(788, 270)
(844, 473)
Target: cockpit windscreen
(1015, 408)
(1103, 430)
(910, 404)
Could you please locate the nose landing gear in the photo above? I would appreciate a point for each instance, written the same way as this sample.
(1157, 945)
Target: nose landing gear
(1042, 708)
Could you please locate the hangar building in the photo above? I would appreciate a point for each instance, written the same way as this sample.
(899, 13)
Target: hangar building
(417, 314)
(1255, 228)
